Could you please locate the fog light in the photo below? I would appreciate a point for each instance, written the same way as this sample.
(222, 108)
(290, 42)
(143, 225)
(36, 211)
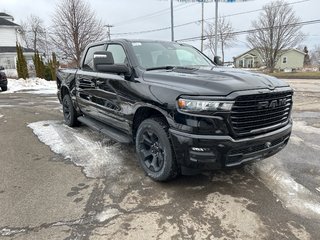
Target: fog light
(202, 155)
(200, 149)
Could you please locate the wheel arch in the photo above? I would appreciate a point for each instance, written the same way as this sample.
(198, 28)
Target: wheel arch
(144, 112)
(64, 91)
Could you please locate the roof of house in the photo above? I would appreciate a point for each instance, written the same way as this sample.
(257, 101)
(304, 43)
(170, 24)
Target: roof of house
(5, 22)
(245, 53)
(13, 49)
(293, 49)
(281, 52)
(2, 14)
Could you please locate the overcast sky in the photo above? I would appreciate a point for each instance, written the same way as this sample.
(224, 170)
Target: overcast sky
(123, 14)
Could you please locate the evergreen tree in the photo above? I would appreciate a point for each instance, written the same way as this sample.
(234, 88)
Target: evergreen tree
(53, 65)
(22, 67)
(18, 61)
(38, 65)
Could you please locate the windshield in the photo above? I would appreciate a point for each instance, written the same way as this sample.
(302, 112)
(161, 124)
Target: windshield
(162, 54)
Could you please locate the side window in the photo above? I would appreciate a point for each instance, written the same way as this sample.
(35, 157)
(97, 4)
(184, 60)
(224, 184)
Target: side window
(88, 60)
(119, 55)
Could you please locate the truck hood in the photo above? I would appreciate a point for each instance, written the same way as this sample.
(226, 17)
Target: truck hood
(218, 81)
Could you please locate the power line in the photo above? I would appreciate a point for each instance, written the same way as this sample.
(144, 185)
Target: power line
(253, 30)
(154, 14)
(197, 21)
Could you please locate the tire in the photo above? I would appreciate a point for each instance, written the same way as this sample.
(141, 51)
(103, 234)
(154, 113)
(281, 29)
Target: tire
(69, 113)
(155, 151)
(4, 88)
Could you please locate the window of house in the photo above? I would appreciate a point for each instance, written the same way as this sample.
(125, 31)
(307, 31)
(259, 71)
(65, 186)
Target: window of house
(284, 60)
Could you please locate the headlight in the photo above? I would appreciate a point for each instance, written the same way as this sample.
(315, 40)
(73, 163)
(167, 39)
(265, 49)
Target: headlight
(190, 105)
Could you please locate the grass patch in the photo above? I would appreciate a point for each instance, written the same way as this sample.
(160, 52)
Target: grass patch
(298, 75)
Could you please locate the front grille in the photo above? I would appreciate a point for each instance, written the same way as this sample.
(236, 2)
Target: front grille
(254, 114)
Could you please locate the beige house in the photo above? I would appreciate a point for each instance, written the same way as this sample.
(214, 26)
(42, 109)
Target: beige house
(289, 59)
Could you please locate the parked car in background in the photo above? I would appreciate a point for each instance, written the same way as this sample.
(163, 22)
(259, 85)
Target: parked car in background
(3, 80)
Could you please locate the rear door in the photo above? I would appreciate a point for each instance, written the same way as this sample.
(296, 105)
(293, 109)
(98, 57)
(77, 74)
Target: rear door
(86, 83)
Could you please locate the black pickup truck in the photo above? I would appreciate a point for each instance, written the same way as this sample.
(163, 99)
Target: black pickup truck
(184, 113)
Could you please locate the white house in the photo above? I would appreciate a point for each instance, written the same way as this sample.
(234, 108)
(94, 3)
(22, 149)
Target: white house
(10, 34)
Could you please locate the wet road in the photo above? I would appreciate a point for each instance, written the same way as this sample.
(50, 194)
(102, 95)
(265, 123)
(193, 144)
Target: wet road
(63, 183)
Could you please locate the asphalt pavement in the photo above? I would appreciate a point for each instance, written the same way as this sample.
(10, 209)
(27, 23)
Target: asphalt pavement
(62, 183)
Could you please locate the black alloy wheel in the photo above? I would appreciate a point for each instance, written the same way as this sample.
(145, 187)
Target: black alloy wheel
(154, 150)
(69, 113)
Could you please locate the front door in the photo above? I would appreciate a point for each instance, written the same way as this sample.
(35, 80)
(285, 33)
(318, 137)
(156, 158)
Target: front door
(106, 98)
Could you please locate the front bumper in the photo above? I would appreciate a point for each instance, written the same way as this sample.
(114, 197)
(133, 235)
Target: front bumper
(208, 152)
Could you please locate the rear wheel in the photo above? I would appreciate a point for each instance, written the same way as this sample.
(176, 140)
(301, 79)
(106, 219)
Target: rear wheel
(154, 150)
(69, 113)
(4, 88)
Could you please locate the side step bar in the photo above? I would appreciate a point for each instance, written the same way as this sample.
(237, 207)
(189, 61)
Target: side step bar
(111, 132)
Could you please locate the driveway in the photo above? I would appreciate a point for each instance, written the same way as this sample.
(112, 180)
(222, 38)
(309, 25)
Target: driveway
(62, 183)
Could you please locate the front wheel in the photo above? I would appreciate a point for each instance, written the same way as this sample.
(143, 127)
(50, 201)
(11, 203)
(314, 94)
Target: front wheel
(4, 88)
(154, 150)
(69, 113)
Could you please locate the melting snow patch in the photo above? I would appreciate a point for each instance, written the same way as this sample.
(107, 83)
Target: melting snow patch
(296, 140)
(293, 195)
(10, 232)
(301, 126)
(1, 116)
(98, 157)
(107, 214)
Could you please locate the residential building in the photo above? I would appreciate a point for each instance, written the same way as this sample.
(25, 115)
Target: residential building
(289, 59)
(10, 34)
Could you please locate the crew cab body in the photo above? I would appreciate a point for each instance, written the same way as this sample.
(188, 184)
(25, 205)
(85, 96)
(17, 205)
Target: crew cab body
(215, 117)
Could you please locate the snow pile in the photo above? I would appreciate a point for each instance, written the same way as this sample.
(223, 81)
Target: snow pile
(32, 85)
(99, 157)
(11, 73)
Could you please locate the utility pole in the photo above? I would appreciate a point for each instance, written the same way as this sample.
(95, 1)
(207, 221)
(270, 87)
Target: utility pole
(202, 17)
(172, 30)
(216, 30)
(108, 26)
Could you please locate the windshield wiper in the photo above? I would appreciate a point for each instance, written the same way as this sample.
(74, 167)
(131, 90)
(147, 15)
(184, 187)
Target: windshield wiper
(159, 68)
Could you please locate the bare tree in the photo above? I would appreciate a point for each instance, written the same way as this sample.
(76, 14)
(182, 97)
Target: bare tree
(315, 56)
(74, 27)
(34, 33)
(276, 29)
(225, 36)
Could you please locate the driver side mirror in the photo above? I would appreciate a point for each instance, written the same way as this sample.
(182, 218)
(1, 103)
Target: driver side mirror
(217, 60)
(103, 62)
